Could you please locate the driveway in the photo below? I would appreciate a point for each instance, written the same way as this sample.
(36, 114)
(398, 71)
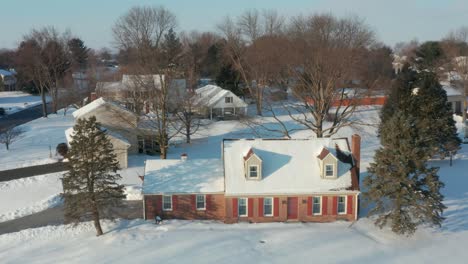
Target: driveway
(54, 216)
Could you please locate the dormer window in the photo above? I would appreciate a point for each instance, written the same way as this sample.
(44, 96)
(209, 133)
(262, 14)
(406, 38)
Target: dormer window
(252, 166)
(329, 170)
(253, 171)
(328, 164)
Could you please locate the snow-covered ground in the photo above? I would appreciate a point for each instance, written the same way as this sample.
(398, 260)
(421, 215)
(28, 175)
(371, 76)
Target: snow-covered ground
(29, 195)
(16, 101)
(212, 242)
(37, 143)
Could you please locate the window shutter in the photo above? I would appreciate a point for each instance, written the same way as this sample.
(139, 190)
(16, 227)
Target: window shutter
(260, 206)
(174, 202)
(349, 205)
(193, 201)
(208, 202)
(250, 207)
(309, 205)
(335, 206)
(324, 205)
(276, 206)
(234, 207)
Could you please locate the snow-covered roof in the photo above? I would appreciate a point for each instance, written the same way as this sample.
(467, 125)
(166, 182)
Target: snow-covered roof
(70, 132)
(6, 73)
(95, 105)
(289, 166)
(209, 95)
(179, 176)
(451, 91)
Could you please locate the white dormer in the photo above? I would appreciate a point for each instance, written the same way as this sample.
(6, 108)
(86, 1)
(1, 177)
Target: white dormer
(328, 164)
(252, 166)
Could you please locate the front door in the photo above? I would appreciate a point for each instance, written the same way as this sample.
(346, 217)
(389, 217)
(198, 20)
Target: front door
(292, 207)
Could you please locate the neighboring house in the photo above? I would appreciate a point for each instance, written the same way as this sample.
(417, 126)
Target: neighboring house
(398, 63)
(121, 125)
(259, 180)
(136, 89)
(80, 80)
(120, 145)
(8, 80)
(454, 98)
(214, 101)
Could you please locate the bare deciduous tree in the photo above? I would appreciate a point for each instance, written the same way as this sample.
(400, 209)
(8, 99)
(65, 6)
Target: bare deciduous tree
(9, 135)
(142, 30)
(44, 58)
(325, 53)
(248, 48)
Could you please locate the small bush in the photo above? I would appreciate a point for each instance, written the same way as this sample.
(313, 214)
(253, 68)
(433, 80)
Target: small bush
(2, 111)
(62, 149)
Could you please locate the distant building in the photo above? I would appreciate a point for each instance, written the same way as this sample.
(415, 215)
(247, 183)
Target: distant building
(126, 132)
(213, 101)
(136, 89)
(8, 79)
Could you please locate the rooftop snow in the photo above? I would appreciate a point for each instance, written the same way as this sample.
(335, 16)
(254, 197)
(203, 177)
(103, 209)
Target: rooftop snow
(289, 166)
(451, 91)
(209, 95)
(178, 176)
(95, 105)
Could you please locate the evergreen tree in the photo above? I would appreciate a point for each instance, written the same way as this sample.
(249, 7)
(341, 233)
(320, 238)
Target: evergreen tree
(436, 122)
(172, 47)
(429, 56)
(400, 93)
(91, 183)
(228, 78)
(404, 190)
(79, 53)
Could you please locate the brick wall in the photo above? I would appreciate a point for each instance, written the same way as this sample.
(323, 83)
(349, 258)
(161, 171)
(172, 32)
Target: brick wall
(183, 207)
(280, 210)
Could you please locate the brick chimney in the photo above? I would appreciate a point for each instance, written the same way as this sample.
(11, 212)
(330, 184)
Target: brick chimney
(356, 150)
(93, 97)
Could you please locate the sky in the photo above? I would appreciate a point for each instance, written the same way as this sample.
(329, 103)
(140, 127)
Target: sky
(92, 20)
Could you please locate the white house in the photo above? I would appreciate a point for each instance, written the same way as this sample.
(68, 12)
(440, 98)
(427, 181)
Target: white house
(214, 101)
(8, 79)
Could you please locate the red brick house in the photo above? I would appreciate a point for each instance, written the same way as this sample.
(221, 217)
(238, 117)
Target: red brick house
(259, 180)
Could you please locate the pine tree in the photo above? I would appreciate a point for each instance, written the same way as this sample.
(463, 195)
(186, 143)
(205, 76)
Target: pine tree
(436, 122)
(91, 183)
(400, 93)
(79, 53)
(172, 47)
(404, 190)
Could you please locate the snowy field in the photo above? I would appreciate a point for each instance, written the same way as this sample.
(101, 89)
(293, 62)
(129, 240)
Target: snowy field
(16, 101)
(32, 148)
(211, 242)
(29, 195)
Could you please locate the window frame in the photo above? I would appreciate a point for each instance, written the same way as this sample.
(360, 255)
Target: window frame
(319, 203)
(271, 205)
(246, 207)
(345, 207)
(257, 171)
(332, 170)
(170, 199)
(204, 202)
(231, 100)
